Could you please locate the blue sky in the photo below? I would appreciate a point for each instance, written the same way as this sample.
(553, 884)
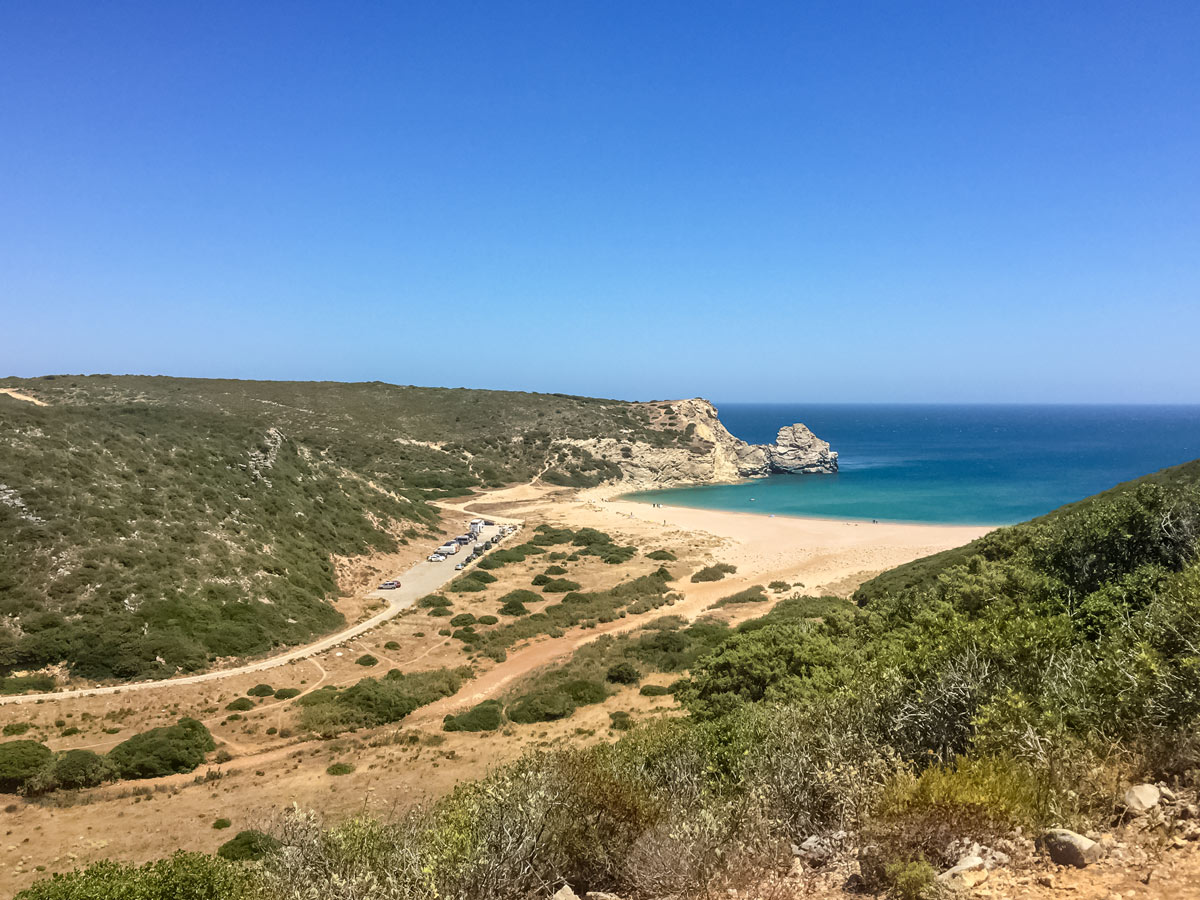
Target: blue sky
(816, 201)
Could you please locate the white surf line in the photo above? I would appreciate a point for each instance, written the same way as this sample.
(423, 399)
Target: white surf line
(423, 578)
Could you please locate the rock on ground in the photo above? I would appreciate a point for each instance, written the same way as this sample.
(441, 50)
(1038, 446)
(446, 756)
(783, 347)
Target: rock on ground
(1070, 849)
(1141, 798)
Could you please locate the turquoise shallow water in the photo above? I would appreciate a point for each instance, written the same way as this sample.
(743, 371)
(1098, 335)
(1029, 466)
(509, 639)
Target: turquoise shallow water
(987, 465)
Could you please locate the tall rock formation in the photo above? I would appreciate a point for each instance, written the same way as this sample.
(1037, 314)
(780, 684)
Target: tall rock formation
(798, 451)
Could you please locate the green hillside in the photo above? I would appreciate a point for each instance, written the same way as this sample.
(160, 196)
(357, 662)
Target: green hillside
(150, 524)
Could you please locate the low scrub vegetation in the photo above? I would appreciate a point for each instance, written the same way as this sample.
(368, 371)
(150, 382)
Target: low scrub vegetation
(560, 586)
(486, 716)
(714, 572)
(755, 594)
(31, 768)
(635, 596)
(248, 846)
(184, 876)
(375, 701)
(555, 702)
(163, 751)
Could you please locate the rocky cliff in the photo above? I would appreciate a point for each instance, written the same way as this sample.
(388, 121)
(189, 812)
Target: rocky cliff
(706, 453)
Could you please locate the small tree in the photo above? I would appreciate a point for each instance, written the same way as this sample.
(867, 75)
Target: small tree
(20, 761)
(623, 673)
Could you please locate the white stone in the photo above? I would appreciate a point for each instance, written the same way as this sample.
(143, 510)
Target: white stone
(1141, 798)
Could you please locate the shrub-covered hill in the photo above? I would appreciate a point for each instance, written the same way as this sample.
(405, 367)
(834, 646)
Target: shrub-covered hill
(149, 524)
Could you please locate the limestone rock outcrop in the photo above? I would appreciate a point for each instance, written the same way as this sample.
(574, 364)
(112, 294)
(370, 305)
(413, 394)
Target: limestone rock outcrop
(706, 452)
(797, 450)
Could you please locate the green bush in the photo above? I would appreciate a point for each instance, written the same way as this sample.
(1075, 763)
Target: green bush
(623, 673)
(27, 684)
(261, 690)
(755, 594)
(486, 716)
(366, 660)
(584, 691)
(555, 570)
(543, 706)
(662, 556)
(433, 601)
(19, 762)
(441, 611)
(183, 876)
(163, 751)
(912, 881)
(241, 704)
(339, 769)
(77, 769)
(287, 693)
(462, 619)
(221, 824)
(522, 596)
(16, 728)
(539, 580)
(247, 846)
(466, 585)
(487, 620)
(620, 721)
(560, 586)
(391, 645)
(513, 607)
(654, 690)
(713, 573)
(375, 701)
(779, 586)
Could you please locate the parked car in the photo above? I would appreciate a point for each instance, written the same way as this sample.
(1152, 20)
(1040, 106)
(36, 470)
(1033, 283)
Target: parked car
(435, 557)
(389, 585)
(488, 523)
(462, 565)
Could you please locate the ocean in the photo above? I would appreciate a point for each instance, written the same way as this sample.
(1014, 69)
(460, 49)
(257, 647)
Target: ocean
(980, 465)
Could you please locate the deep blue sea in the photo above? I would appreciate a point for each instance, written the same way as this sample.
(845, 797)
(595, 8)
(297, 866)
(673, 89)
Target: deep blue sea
(986, 465)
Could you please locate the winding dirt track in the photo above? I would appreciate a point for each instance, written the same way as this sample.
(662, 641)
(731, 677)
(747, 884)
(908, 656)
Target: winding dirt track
(423, 578)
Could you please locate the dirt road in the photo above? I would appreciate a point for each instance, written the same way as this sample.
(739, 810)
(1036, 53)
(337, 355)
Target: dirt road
(423, 578)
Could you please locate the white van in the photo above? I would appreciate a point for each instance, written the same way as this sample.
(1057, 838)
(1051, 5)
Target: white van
(448, 549)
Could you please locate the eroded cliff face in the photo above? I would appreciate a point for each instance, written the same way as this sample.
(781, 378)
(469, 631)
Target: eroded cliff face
(704, 452)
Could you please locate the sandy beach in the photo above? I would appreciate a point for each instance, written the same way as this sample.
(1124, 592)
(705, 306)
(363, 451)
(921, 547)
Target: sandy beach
(827, 556)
